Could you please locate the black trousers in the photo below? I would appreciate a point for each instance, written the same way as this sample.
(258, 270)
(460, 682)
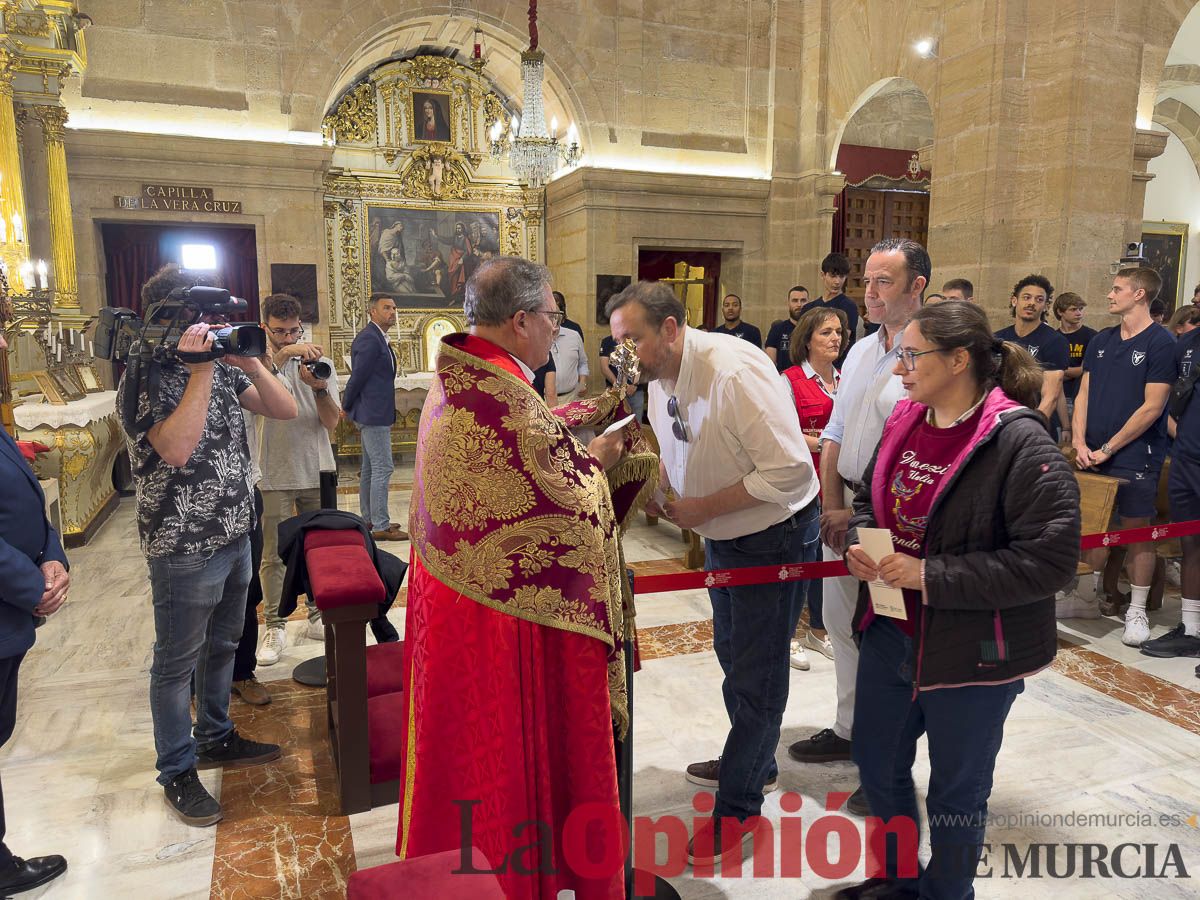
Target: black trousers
(244, 659)
(8, 719)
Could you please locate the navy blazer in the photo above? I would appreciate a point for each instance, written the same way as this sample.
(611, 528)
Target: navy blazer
(26, 541)
(370, 394)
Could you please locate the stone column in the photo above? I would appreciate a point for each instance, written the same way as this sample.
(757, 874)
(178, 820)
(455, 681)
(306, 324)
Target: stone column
(12, 186)
(1148, 143)
(62, 231)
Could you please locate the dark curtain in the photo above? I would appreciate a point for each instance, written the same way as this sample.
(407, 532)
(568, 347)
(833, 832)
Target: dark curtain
(134, 252)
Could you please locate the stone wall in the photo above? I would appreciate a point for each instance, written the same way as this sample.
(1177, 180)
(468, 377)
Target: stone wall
(1037, 161)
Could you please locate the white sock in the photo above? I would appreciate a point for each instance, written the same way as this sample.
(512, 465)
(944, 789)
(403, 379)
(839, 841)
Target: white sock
(1138, 597)
(1191, 617)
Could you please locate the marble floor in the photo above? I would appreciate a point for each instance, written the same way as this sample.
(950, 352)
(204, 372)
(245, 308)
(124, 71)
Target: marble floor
(1102, 748)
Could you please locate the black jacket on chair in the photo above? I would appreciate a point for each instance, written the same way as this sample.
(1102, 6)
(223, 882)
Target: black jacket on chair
(292, 532)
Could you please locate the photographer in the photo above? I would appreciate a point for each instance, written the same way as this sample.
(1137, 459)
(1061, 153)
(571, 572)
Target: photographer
(195, 510)
(292, 455)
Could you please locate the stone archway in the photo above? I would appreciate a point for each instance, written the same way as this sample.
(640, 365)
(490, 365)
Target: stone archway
(879, 150)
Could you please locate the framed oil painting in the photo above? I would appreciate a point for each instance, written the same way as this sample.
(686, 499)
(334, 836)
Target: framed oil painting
(1165, 246)
(422, 258)
(430, 117)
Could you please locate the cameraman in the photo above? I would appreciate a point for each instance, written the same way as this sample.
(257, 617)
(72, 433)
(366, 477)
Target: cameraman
(195, 510)
(292, 455)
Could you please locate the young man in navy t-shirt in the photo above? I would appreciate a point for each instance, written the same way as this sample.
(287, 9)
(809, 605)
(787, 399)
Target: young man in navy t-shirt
(1183, 489)
(1028, 305)
(1120, 427)
(835, 269)
(731, 310)
(779, 338)
(1068, 309)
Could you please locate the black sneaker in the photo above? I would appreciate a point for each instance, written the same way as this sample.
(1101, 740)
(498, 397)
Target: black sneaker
(708, 774)
(857, 803)
(824, 746)
(235, 750)
(1176, 642)
(189, 800)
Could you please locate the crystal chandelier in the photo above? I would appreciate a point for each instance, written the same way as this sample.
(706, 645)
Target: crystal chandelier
(534, 153)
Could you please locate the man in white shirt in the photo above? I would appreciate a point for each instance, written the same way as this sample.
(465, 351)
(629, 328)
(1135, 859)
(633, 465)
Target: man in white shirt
(291, 455)
(733, 453)
(570, 364)
(894, 279)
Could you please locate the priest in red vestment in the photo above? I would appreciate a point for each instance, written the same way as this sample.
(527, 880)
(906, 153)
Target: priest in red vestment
(514, 670)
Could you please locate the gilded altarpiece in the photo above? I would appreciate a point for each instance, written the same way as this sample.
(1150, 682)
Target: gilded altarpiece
(413, 204)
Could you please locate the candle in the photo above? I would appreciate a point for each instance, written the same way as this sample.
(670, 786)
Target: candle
(18, 227)
(47, 332)
(60, 331)
(91, 352)
(41, 270)
(60, 352)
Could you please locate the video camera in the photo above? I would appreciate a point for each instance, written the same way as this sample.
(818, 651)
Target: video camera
(120, 334)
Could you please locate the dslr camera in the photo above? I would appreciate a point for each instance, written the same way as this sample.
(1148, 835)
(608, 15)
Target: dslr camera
(120, 334)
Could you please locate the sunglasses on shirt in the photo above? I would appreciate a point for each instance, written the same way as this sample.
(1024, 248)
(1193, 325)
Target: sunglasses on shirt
(678, 428)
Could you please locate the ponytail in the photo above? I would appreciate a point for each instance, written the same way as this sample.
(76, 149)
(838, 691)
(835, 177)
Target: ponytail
(1017, 373)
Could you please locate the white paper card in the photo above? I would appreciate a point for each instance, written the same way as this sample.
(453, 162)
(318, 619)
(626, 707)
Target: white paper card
(617, 426)
(887, 601)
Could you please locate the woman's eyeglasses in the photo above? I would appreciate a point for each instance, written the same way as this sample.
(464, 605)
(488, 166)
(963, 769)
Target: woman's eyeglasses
(909, 357)
(677, 427)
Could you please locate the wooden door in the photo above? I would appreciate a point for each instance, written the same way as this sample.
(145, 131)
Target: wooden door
(872, 216)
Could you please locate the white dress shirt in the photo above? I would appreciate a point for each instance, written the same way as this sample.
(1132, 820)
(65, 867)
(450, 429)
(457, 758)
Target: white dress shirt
(570, 361)
(866, 396)
(741, 426)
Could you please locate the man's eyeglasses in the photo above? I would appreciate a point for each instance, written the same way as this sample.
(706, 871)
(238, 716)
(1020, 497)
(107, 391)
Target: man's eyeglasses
(287, 332)
(909, 357)
(677, 427)
(555, 317)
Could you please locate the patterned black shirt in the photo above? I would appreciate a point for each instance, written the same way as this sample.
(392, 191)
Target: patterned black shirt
(209, 501)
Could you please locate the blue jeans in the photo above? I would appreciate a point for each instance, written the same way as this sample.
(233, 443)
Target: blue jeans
(376, 472)
(752, 632)
(964, 726)
(199, 612)
(814, 600)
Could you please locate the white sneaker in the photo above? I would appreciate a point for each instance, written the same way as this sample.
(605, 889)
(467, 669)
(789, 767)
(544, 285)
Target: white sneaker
(316, 630)
(798, 659)
(824, 646)
(1070, 605)
(272, 646)
(1137, 627)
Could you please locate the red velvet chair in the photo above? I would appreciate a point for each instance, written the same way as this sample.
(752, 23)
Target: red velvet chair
(363, 698)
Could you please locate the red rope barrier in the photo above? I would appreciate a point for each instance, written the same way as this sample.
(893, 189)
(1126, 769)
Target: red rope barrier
(684, 581)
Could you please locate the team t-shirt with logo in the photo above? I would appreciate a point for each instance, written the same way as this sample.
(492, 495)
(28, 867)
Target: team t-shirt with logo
(744, 331)
(780, 337)
(1187, 431)
(1077, 342)
(1045, 344)
(1118, 372)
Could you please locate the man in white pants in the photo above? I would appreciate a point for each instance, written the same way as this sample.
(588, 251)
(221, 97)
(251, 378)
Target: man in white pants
(894, 280)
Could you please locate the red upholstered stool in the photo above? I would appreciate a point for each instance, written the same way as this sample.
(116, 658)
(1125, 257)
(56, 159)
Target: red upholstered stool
(426, 878)
(346, 588)
(385, 668)
(385, 723)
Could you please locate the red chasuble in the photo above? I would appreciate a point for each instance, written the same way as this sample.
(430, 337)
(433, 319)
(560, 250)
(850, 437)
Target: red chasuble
(512, 638)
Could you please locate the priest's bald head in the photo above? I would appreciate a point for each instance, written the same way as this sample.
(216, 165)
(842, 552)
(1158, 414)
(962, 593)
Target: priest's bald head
(508, 302)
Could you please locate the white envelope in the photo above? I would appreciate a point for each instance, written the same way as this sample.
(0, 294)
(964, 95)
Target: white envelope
(887, 601)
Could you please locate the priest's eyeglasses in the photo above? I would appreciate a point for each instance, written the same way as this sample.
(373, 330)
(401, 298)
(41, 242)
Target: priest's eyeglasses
(555, 316)
(909, 356)
(678, 428)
